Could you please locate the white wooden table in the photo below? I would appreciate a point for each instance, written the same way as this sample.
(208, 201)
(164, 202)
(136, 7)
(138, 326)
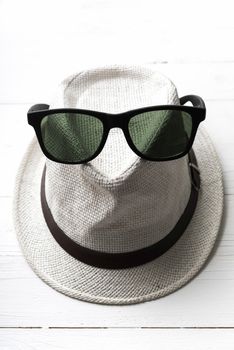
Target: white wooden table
(43, 42)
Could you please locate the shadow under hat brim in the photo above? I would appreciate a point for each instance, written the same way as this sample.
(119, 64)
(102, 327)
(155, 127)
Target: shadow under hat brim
(150, 281)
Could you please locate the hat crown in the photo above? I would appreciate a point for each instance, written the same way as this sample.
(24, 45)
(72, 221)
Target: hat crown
(117, 202)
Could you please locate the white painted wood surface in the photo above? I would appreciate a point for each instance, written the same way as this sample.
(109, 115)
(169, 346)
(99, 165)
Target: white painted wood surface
(193, 45)
(131, 339)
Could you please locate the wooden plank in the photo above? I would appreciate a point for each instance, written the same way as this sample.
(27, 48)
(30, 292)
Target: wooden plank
(89, 32)
(137, 339)
(35, 60)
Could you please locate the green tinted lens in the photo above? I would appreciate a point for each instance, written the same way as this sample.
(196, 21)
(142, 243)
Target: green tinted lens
(161, 134)
(71, 137)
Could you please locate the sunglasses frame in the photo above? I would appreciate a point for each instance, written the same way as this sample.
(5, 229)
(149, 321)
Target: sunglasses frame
(109, 120)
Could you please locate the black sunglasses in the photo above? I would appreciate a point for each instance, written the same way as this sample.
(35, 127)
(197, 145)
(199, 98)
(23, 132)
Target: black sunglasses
(155, 133)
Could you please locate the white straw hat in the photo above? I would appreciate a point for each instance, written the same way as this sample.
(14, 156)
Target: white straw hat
(118, 202)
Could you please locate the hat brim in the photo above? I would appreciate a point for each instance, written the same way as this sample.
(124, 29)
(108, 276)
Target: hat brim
(150, 281)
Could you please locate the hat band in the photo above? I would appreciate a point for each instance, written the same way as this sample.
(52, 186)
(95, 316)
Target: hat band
(126, 259)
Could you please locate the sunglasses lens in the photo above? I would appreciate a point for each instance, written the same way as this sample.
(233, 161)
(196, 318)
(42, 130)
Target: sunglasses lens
(71, 137)
(161, 134)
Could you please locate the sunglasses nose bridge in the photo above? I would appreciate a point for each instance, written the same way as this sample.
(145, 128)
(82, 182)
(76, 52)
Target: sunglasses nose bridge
(116, 120)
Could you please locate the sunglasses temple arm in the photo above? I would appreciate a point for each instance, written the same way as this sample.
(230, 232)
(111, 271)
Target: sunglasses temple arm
(38, 107)
(197, 101)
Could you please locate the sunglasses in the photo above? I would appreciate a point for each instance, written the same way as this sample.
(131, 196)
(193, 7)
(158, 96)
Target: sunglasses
(155, 133)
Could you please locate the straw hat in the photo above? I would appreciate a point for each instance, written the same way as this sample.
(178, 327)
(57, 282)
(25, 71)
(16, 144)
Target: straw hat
(117, 203)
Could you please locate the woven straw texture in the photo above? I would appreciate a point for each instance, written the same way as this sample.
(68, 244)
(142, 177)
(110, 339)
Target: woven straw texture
(105, 205)
(118, 202)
